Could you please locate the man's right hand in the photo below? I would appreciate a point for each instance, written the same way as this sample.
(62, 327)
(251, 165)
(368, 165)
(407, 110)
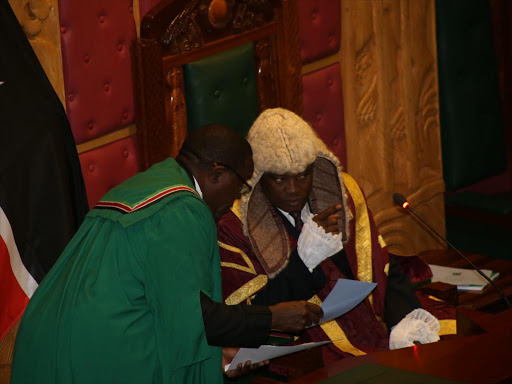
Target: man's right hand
(294, 316)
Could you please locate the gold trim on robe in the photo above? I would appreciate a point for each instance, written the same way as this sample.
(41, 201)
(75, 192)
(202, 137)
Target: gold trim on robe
(448, 327)
(247, 290)
(336, 334)
(250, 266)
(382, 243)
(363, 232)
(363, 240)
(235, 208)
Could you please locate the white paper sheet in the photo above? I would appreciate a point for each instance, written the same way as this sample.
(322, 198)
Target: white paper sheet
(267, 352)
(464, 279)
(345, 295)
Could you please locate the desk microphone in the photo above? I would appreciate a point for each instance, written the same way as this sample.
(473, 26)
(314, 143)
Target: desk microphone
(401, 201)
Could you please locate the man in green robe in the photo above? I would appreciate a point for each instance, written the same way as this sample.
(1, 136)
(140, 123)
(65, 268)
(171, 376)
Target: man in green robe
(134, 296)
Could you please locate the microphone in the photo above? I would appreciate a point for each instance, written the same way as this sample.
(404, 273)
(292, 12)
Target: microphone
(401, 201)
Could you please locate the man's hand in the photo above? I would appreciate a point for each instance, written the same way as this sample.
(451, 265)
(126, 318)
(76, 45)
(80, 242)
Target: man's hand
(228, 355)
(328, 219)
(294, 316)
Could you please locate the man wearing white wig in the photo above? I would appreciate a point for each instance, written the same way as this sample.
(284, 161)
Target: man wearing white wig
(304, 225)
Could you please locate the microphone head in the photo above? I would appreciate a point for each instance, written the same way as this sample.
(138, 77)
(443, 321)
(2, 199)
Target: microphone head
(400, 200)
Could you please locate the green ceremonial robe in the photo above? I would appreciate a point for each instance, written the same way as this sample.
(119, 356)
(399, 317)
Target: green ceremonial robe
(122, 303)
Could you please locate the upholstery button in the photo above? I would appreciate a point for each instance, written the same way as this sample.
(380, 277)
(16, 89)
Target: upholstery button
(91, 125)
(314, 14)
(245, 80)
(125, 115)
(216, 93)
(330, 82)
(63, 29)
(92, 168)
(87, 59)
(131, 9)
(102, 19)
(336, 142)
(106, 87)
(71, 97)
(319, 117)
(330, 39)
(126, 153)
(120, 47)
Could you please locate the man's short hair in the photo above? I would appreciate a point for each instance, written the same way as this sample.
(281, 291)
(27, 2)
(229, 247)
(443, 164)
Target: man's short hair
(217, 143)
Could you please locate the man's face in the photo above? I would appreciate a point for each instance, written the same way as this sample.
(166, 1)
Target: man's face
(288, 192)
(220, 194)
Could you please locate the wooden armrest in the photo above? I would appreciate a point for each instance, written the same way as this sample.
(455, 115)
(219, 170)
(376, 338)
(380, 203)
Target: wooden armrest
(446, 292)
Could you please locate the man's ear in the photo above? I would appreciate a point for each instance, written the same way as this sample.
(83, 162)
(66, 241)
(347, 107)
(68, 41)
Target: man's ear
(215, 173)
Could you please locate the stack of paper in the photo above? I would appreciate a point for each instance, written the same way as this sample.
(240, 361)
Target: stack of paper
(464, 279)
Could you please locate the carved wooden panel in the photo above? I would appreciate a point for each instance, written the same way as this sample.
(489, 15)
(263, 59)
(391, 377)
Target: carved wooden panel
(389, 67)
(40, 22)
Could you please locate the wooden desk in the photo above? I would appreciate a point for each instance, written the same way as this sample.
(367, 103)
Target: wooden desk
(485, 358)
(487, 300)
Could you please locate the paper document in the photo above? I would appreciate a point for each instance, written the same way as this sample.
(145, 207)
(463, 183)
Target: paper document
(267, 352)
(464, 279)
(345, 295)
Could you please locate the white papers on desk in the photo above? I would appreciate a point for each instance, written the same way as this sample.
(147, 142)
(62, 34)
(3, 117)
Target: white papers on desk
(267, 352)
(345, 295)
(464, 279)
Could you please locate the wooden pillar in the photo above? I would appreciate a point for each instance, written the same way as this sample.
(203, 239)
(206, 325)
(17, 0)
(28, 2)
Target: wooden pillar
(389, 69)
(40, 22)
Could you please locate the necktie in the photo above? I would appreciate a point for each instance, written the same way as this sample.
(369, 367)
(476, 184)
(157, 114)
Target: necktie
(298, 221)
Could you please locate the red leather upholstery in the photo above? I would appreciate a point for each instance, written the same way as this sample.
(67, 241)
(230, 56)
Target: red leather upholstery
(323, 107)
(319, 28)
(105, 167)
(96, 37)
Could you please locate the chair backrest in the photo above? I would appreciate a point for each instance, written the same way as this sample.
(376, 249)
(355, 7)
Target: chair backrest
(212, 61)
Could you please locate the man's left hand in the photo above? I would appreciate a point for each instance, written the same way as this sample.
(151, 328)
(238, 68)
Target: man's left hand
(242, 369)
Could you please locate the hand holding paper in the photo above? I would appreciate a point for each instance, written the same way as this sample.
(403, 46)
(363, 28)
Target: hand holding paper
(345, 295)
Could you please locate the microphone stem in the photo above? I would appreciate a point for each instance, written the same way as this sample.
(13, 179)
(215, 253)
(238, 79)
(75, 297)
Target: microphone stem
(464, 257)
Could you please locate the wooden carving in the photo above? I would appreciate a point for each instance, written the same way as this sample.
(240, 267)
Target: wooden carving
(202, 21)
(177, 32)
(175, 107)
(266, 75)
(392, 116)
(40, 22)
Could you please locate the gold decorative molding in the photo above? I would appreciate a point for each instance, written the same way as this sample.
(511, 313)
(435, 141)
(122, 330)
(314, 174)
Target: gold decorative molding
(321, 63)
(40, 22)
(107, 139)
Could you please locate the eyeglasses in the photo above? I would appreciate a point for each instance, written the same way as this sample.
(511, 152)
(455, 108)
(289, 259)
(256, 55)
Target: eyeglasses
(246, 188)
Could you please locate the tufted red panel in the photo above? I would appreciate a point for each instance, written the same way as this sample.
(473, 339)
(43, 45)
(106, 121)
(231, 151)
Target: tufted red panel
(96, 37)
(146, 5)
(105, 167)
(320, 28)
(323, 107)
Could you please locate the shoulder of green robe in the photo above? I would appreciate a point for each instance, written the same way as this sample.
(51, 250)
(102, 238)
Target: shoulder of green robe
(140, 195)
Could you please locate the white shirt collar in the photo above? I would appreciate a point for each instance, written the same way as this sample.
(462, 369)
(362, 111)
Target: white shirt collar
(304, 214)
(198, 188)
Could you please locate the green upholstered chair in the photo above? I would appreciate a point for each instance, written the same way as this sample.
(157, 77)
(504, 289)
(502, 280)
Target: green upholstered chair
(212, 61)
(222, 89)
(472, 126)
